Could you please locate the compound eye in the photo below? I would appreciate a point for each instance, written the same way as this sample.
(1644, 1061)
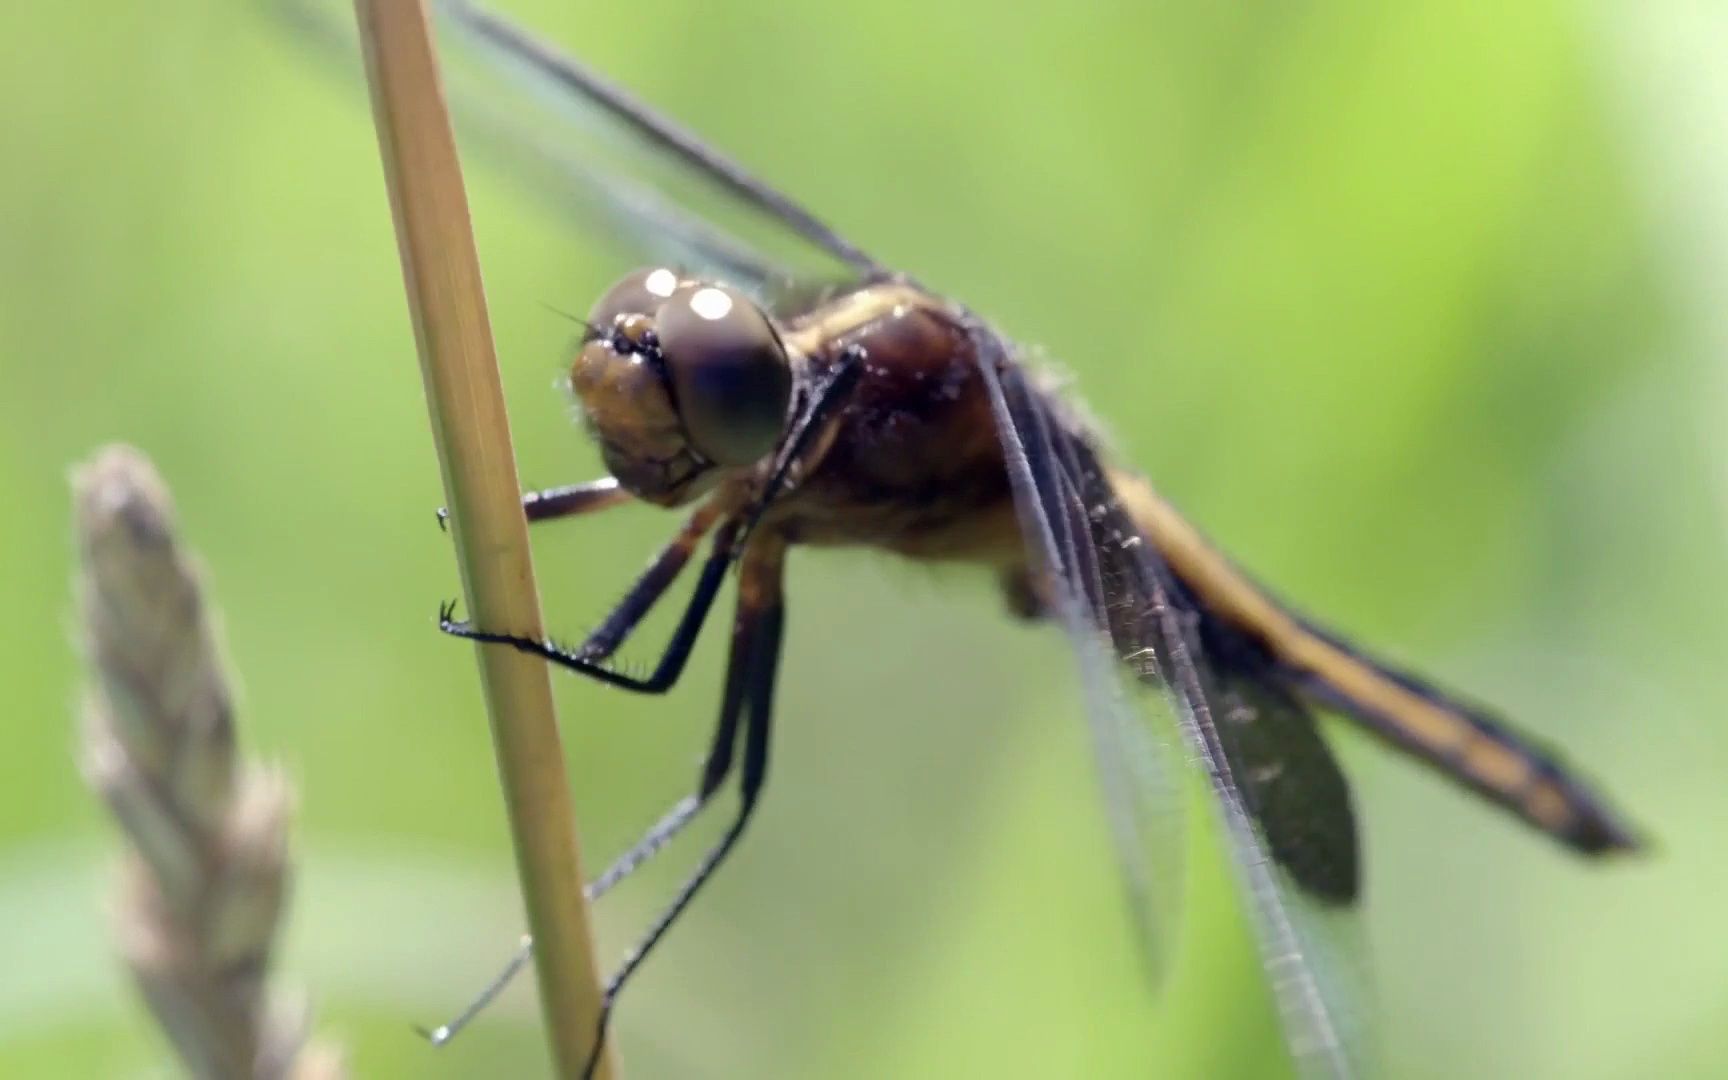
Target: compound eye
(731, 382)
(641, 293)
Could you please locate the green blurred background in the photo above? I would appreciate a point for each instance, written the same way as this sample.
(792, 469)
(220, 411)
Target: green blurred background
(1417, 308)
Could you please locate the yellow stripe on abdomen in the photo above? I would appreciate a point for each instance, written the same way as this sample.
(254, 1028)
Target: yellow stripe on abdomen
(1481, 754)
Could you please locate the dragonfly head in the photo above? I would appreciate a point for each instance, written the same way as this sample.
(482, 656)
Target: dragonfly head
(678, 377)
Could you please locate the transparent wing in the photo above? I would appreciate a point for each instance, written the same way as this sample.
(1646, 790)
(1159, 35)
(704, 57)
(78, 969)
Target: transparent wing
(1283, 804)
(1282, 801)
(670, 193)
(1141, 788)
(623, 172)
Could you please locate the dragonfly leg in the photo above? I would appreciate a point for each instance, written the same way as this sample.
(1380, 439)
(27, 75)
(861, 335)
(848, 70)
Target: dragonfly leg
(646, 592)
(825, 399)
(755, 658)
(571, 500)
(568, 500)
(671, 664)
(715, 768)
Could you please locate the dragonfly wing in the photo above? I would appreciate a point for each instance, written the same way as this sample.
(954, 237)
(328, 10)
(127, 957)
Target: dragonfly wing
(621, 172)
(598, 103)
(626, 169)
(1283, 803)
(1142, 791)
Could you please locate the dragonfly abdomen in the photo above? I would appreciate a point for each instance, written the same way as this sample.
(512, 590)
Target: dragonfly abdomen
(1461, 741)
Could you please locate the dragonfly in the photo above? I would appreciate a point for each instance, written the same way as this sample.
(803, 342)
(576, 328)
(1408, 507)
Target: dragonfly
(785, 388)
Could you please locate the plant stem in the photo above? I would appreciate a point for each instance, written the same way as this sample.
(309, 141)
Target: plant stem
(472, 433)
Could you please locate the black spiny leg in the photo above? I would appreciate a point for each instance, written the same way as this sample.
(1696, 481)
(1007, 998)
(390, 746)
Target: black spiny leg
(671, 663)
(715, 768)
(750, 673)
(567, 500)
(756, 634)
(549, 504)
(825, 399)
(661, 572)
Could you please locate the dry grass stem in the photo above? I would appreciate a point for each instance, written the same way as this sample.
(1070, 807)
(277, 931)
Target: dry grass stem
(204, 884)
(465, 398)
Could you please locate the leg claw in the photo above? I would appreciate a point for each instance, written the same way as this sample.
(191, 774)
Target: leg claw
(447, 620)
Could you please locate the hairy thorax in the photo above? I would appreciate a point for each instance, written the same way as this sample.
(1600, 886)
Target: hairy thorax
(912, 463)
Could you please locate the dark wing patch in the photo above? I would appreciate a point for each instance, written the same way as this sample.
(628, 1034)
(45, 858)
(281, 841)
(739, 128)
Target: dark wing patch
(1291, 784)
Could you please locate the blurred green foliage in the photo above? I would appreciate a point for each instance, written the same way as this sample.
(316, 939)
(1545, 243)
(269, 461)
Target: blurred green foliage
(1415, 307)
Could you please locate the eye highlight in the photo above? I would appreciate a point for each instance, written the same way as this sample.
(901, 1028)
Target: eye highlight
(730, 378)
(711, 303)
(641, 293)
